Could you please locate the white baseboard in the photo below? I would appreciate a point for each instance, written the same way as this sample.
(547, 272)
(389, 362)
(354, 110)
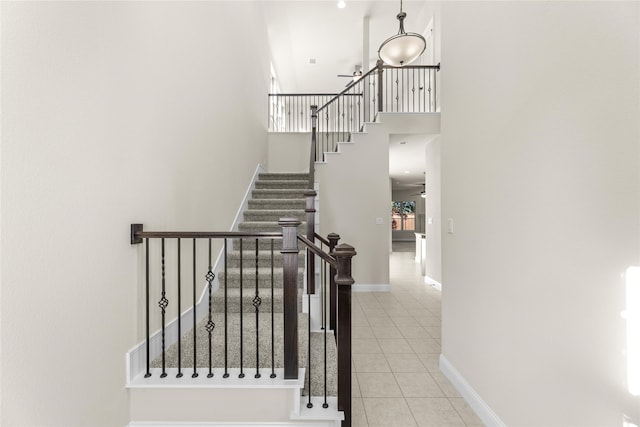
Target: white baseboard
(223, 424)
(136, 357)
(479, 406)
(429, 281)
(377, 287)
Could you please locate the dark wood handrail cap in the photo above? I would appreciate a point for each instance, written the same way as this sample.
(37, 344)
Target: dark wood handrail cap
(309, 193)
(289, 222)
(344, 250)
(333, 236)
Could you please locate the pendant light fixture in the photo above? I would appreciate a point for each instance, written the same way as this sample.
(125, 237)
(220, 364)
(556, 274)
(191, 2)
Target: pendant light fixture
(403, 48)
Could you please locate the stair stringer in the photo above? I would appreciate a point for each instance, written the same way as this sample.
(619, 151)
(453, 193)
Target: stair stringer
(356, 189)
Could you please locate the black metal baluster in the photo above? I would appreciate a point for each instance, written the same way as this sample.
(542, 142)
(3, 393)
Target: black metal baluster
(148, 374)
(210, 324)
(413, 88)
(273, 348)
(309, 405)
(430, 101)
(226, 323)
(241, 312)
(195, 365)
(324, 327)
(179, 375)
(256, 303)
(163, 303)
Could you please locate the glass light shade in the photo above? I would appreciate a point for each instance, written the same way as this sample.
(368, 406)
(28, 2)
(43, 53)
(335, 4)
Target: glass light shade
(402, 49)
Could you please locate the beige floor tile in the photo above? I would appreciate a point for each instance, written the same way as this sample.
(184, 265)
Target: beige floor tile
(362, 332)
(387, 332)
(394, 346)
(378, 384)
(430, 361)
(428, 345)
(355, 386)
(434, 331)
(360, 346)
(427, 319)
(405, 363)
(466, 413)
(418, 385)
(358, 417)
(434, 412)
(388, 413)
(378, 321)
(447, 388)
(419, 332)
(370, 363)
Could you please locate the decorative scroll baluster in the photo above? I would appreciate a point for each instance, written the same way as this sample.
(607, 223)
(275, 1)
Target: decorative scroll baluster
(256, 303)
(210, 324)
(226, 323)
(179, 375)
(195, 348)
(148, 373)
(163, 303)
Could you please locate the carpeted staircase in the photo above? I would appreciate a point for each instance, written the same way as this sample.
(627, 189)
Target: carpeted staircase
(276, 195)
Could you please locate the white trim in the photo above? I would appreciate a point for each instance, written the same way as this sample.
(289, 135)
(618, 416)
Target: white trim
(247, 196)
(136, 357)
(365, 287)
(301, 423)
(429, 281)
(479, 406)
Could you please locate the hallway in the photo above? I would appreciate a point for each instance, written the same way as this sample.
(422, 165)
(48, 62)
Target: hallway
(396, 347)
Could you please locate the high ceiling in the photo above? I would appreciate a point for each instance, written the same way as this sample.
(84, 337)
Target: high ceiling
(334, 37)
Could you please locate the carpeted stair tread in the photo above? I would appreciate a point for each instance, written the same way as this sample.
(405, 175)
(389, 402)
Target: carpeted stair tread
(247, 297)
(279, 176)
(317, 365)
(275, 203)
(273, 214)
(265, 226)
(249, 277)
(278, 183)
(233, 343)
(279, 193)
(264, 259)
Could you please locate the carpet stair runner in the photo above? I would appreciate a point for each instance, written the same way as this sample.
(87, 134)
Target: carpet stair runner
(276, 195)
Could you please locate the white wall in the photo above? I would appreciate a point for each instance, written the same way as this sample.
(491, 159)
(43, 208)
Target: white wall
(113, 113)
(288, 151)
(540, 161)
(433, 210)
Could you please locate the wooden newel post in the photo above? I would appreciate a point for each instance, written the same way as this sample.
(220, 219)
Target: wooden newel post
(333, 292)
(379, 64)
(290, 294)
(310, 211)
(343, 254)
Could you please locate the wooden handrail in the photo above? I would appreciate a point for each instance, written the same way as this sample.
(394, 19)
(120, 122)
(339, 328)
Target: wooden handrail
(137, 234)
(322, 239)
(316, 250)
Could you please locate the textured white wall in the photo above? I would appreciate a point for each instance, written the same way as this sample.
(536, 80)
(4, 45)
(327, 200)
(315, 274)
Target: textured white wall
(540, 161)
(113, 113)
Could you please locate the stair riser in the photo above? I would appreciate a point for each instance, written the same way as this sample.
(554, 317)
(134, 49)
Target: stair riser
(283, 177)
(273, 216)
(277, 184)
(280, 204)
(278, 194)
(249, 261)
(252, 227)
(249, 280)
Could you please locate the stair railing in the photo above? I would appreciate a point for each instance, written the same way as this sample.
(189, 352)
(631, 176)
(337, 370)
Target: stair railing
(408, 89)
(289, 112)
(165, 270)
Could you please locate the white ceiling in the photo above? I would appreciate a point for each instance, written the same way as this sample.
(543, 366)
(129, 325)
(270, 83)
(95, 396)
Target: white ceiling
(300, 30)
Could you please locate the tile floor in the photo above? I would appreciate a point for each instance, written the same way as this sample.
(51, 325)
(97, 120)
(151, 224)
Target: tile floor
(396, 347)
